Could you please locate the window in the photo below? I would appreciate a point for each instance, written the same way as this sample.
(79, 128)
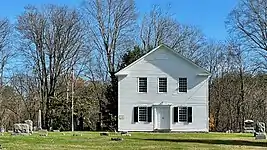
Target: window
(182, 114)
(142, 85)
(142, 114)
(162, 85)
(182, 84)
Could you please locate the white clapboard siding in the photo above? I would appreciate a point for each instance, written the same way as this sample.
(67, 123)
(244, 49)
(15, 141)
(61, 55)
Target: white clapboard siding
(163, 63)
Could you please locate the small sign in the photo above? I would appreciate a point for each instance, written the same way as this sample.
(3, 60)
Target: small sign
(121, 117)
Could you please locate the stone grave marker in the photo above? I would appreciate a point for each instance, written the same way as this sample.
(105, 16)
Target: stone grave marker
(249, 126)
(43, 132)
(260, 131)
(125, 133)
(21, 128)
(2, 130)
(116, 139)
(104, 134)
(39, 122)
(30, 123)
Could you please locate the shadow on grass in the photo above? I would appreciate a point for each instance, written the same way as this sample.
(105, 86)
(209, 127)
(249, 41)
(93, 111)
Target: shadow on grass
(210, 141)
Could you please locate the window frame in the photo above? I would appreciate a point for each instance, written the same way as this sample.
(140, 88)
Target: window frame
(179, 85)
(146, 115)
(138, 85)
(166, 84)
(186, 114)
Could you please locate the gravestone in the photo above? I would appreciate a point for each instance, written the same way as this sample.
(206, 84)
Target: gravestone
(104, 134)
(125, 133)
(43, 132)
(10, 131)
(21, 128)
(116, 139)
(76, 134)
(260, 137)
(260, 131)
(56, 130)
(39, 122)
(30, 123)
(35, 128)
(249, 126)
(229, 131)
(2, 130)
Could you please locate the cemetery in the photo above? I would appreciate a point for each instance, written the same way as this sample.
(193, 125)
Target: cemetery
(38, 138)
(137, 140)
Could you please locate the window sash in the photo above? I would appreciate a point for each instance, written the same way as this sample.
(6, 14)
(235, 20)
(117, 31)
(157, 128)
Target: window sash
(162, 83)
(142, 85)
(183, 114)
(143, 114)
(182, 85)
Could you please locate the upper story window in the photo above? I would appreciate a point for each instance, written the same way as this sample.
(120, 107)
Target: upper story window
(162, 85)
(142, 85)
(182, 84)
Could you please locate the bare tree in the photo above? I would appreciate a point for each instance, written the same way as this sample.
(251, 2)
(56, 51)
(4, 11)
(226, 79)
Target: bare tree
(5, 56)
(5, 51)
(111, 24)
(212, 56)
(248, 22)
(54, 37)
(159, 27)
(11, 105)
(26, 89)
(235, 92)
(237, 55)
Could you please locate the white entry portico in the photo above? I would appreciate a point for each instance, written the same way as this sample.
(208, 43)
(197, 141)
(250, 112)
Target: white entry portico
(162, 117)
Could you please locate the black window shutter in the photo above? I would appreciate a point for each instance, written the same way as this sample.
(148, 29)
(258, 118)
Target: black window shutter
(175, 114)
(135, 114)
(189, 114)
(149, 114)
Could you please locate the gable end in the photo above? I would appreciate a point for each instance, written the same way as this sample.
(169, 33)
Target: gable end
(123, 71)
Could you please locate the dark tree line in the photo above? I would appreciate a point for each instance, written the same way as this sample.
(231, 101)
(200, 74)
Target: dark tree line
(59, 48)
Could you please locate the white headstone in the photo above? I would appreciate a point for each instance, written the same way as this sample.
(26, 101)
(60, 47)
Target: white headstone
(30, 123)
(39, 126)
(2, 129)
(21, 128)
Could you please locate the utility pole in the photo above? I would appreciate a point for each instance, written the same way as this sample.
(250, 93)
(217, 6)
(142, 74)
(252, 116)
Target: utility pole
(68, 89)
(72, 94)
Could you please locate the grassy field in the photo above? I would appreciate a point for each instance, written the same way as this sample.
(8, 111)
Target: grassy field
(92, 140)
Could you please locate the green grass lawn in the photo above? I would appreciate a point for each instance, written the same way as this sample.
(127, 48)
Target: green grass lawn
(92, 140)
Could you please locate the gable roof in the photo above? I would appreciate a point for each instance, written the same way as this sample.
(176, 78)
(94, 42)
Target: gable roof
(122, 72)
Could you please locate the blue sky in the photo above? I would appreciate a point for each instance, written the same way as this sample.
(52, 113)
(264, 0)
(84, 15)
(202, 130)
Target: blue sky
(208, 15)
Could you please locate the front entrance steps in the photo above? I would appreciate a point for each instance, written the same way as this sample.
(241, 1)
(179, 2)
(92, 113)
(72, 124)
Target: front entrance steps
(162, 130)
